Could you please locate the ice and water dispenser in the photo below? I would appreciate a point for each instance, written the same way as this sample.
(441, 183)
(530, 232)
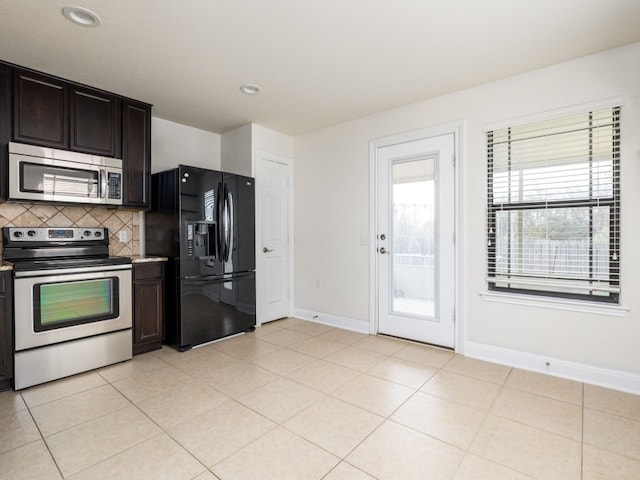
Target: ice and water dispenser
(202, 234)
(201, 240)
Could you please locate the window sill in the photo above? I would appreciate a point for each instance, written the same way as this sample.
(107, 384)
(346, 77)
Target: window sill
(613, 310)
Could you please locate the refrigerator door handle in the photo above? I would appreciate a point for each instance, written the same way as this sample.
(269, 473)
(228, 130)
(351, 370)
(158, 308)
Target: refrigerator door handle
(220, 229)
(229, 225)
(225, 224)
(200, 280)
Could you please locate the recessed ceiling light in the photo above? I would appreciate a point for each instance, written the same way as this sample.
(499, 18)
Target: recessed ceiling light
(250, 89)
(81, 16)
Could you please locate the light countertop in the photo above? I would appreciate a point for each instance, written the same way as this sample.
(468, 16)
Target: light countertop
(147, 259)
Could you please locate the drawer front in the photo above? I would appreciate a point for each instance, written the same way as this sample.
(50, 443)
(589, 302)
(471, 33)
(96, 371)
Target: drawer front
(146, 271)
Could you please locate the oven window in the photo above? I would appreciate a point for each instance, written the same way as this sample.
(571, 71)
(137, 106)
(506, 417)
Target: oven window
(64, 304)
(52, 180)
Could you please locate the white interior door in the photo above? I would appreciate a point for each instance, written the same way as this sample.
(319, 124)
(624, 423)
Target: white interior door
(273, 246)
(415, 240)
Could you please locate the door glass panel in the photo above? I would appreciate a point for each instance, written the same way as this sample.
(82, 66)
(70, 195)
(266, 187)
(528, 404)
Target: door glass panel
(74, 303)
(59, 180)
(414, 233)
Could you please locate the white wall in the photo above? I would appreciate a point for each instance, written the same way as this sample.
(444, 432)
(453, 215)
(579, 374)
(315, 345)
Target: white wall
(242, 149)
(173, 144)
(270, 141)
(332, 211)
(236, 151)
(239, 147)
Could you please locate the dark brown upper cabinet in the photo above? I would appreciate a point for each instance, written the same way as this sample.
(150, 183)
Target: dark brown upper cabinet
(95, 123)
(55, 113)
(136, 153)
(40, 110)
(5, 126)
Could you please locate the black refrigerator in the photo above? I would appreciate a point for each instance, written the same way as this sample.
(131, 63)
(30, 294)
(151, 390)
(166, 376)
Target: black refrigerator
(204, 222)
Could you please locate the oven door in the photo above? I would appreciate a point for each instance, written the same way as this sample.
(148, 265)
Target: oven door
(62, 305)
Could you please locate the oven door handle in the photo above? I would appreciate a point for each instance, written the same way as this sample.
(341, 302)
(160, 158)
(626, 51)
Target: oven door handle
(67, 271)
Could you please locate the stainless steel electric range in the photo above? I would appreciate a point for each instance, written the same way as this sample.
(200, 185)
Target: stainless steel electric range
(72, 302)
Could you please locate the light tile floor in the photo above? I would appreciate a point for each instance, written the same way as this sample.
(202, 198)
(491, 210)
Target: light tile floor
(298, 400)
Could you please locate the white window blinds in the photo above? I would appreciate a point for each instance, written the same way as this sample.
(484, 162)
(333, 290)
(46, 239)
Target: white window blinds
(554, 207)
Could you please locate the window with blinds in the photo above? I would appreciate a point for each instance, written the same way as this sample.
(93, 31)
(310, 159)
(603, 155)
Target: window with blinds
(554, 207)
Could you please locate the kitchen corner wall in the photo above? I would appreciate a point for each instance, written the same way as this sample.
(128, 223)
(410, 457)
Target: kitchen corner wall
(538, 334)
(36, 215)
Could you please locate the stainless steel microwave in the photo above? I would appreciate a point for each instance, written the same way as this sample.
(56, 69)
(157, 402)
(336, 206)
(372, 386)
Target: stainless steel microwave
(51, 175)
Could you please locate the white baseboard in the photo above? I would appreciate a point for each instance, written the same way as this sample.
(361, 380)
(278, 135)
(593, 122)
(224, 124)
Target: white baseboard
(604, 377)
(360, 326)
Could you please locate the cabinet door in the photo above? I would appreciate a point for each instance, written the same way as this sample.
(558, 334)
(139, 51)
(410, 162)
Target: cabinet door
(148, 315)
(95, 123)
(40, 110)
(5, 127)
(6, 330)
(148, 310)
(136, 153)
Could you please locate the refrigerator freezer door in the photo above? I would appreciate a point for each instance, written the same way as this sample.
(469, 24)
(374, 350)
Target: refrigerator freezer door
(214, 308)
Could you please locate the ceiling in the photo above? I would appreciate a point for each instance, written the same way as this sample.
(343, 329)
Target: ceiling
(319, 62)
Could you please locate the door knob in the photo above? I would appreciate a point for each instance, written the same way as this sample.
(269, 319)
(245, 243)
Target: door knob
(267, 250)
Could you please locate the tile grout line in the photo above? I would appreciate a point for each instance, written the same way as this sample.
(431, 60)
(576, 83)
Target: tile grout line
(484, 420)
(324, 395)
(330, 395)
(131, 404)
(162, 430)
(44, 441)
(235, 400)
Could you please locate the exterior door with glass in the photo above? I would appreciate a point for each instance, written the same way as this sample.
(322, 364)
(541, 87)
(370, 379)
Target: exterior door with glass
(415, 240)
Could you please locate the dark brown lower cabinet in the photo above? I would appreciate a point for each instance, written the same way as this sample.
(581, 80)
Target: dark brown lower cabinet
(148, 306)
(6, 330)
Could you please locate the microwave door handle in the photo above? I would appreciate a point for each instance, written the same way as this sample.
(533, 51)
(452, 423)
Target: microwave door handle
(103, 183)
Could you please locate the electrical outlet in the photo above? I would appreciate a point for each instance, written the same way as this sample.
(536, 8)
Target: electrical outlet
(318, 282)
(122, 235)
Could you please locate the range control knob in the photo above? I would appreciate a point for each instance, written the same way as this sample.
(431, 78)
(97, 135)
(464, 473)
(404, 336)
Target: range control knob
(17, 234)
(31, 233)
(98, 233)
(86, 233)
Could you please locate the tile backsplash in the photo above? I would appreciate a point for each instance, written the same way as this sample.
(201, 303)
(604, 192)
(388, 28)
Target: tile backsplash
(37, 215)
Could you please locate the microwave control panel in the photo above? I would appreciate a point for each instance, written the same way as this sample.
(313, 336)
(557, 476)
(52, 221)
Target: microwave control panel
(114, 185)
